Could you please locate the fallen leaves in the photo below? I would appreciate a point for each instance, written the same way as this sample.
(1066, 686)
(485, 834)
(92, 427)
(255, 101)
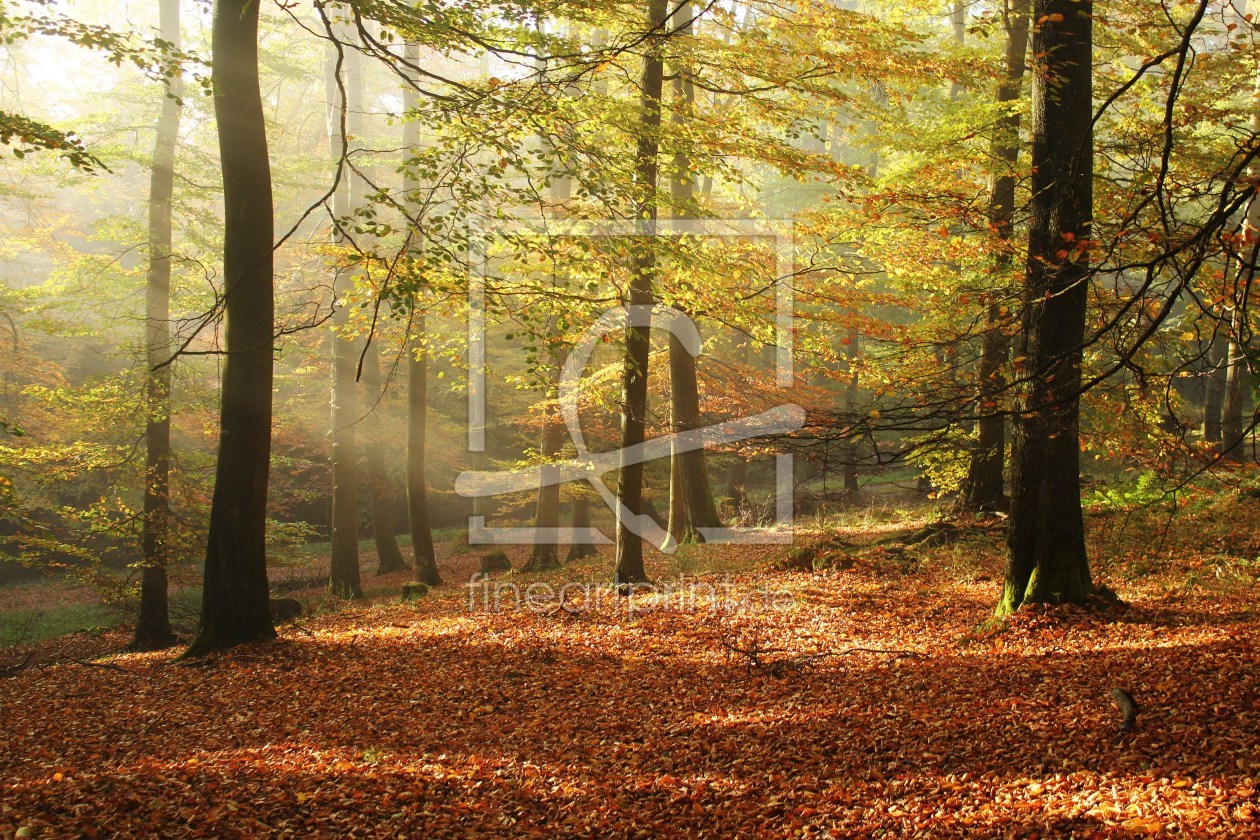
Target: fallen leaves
(432, 720)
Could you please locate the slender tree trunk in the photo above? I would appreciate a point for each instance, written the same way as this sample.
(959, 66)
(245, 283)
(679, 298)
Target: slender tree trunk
(235, 605)
(736, 480)
(1236, 371)
(545, 552)
(629, 569)
(1214, 388)
(389, 555)
(1046, 536)
(1231, 409)
(423, 557)
(850, 451)
(691, 505)
(344, 95)
(581, 518)
(153, 623)
(983, 488)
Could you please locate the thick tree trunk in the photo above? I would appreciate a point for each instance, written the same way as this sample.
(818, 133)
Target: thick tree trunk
(235, 604)
(153, 622)
(1046, 537)
(344, 95)
(983, 488)
(389, 555)
(629, 569)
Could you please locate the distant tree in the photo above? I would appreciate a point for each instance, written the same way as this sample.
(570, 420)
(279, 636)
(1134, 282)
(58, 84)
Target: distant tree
(423, 557)
(983, 488)
(344, 81)
(153, 625)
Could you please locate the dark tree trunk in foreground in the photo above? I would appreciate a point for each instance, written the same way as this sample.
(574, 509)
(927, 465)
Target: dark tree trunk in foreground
(153, 622)
(389, 555)
(343, 95)
(630, 568)
(1046, 537)
(235, 606)
(983, 488)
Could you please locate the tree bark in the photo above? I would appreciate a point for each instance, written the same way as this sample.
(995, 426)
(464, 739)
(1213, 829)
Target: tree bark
(983, 488)
(629, 569)
(1231, 409)
(1214, 388)
(235, 604)
(153, 623)
(344, 94)
(1236, 370)
(545, 552)
(423, 556)
(1046, 538)
(389, 555)
(581, 518)
(690, 492)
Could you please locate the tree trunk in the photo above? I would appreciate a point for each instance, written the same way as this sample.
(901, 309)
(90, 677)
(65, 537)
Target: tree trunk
(235, 604)
(629, 569)
(983, 487)
(1214, 388)
(1046, 536)
(581, 519)
(1231, 409)
(1235, 358)
(389, 555)
(344, 94)
(153, 623)
(736, 480)
(690, 493)
(423, 557)
(545, 552)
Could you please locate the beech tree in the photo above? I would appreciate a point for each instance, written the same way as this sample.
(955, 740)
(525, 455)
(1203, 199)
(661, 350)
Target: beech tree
(235, 604)
(344, 81)
(1046, 538)
(629, 569)
(153, 623)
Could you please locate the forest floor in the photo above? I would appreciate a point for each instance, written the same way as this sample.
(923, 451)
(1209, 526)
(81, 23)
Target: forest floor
(871, 698)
